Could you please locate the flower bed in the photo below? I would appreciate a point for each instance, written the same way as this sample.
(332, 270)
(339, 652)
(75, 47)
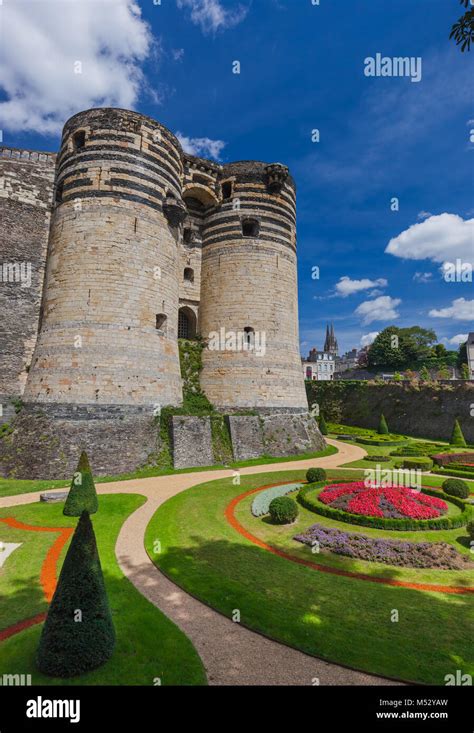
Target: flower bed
(441, 459)
(439, 555)
(308, 497)
(393, 502)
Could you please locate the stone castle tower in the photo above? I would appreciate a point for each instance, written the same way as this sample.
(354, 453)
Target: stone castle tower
(146, 244)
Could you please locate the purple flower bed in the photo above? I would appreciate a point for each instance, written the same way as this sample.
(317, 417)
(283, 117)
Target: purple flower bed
(438, 555)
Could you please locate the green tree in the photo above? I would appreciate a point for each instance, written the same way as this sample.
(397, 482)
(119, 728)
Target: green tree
(463, 29)
(440, 350)
(462, 355)
(465, 371)
(386, 351)
(82, 494)
(383, 427)
(457, 437)
(78, 634)
(425, 374)
(323, 428)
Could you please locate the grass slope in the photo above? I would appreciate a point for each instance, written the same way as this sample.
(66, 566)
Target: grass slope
(340, 619)
(149, 645)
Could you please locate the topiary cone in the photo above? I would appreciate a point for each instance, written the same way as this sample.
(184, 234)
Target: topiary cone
(457, 437)
(383, 427)
(68, 646)
(82, 494)
(323, 428)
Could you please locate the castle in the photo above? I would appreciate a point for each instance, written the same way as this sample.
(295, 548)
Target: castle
(129, 244)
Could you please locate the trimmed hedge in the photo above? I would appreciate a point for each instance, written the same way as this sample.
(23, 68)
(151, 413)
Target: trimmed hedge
(417, 449)
(457, 437)
(377, 459)
(315, 474)
(310, 502)
(261, 503)
(70, 646)
(453, 472)
(283, 510)
(379, 441)
(420, 462)
(383, 427)
(456, 487)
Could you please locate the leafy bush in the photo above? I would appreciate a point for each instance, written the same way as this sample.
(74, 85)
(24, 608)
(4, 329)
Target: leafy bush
(457, 437)
(470, 529)
(323, 428)
(377, 459)
(315, 474)
(82, 494)
(456, 487)
(68, 646)
(283, 510)
(424, 463)
(261, 503)
(383, 427)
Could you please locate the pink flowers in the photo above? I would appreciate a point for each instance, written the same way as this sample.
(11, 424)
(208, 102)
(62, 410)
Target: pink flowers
(384, 501)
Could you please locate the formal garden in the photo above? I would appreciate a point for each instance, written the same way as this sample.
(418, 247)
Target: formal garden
(368, 566)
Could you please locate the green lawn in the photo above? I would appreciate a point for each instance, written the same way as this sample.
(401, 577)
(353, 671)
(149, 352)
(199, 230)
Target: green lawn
(11, 487)
(149, 646)
(340, 619)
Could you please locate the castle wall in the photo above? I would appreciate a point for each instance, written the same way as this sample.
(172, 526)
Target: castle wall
(251, 281)
(26, 189)
(112, 267)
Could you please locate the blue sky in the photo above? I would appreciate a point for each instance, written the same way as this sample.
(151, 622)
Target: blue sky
(302, 68)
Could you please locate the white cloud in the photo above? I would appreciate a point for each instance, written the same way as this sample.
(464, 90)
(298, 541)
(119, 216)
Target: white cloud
(460, 310)
(369, 338)
(424, 215)
(41, 45)
(438, 238)
(211, 16)
(422, 277)
(346, 286)
(201, 146)
(380, 309)
(460, 338)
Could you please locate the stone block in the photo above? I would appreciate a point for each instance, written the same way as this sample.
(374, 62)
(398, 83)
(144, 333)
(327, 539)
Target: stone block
(246, 436)
(191, 441)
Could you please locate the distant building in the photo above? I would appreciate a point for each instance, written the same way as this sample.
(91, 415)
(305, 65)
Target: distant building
(470, 354)
(319, 366)
(349, 360)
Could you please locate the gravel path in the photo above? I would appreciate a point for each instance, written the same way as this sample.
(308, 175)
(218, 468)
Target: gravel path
(230, 653)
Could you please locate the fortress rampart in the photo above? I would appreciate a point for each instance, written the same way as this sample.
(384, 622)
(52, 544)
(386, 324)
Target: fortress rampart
(132, 244)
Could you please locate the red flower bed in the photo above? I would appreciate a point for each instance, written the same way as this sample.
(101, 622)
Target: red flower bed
(394, 502)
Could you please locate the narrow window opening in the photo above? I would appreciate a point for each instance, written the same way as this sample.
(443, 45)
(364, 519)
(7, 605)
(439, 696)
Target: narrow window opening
(227, 190)
(250, 227)
(189, 274)
(188, 236)
(161, 320)
(249, 337)
(79, 139)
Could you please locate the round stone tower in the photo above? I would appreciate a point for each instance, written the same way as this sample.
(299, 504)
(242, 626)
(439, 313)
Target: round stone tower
(109, 313)
(249, 293)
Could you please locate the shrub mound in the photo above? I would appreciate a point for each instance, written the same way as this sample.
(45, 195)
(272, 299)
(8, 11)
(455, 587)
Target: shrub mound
(381, 440)
(261, 503)
(456, 487)
(440, 555)
(377, 459)
(417, 449)
(315, 474)
(68, 646)
(308, 497)
(283, 510)
(425, 464)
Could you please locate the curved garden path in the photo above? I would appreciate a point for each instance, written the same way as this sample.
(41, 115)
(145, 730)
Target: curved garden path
(230, 653)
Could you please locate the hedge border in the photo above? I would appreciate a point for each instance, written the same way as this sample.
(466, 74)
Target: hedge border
(453, 472)
(379, 443)
(402, 525)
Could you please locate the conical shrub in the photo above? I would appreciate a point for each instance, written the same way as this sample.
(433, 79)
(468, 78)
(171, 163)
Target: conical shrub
(383, 427)
(82, 494)
(78, 634)
(457, 437)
